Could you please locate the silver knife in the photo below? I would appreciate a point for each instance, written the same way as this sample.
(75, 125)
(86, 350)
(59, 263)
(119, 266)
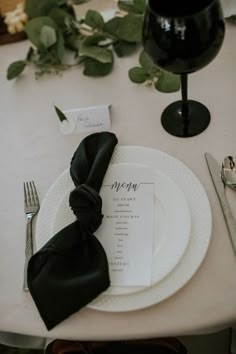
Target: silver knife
(215, 172)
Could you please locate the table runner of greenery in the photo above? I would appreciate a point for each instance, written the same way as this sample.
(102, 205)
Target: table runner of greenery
(54, 32)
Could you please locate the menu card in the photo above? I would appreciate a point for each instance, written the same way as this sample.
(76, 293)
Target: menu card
(126, 232)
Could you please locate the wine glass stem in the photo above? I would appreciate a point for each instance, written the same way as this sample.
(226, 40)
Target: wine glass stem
(184, 90)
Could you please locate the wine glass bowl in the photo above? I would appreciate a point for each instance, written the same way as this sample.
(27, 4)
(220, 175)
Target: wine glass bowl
(181, 37)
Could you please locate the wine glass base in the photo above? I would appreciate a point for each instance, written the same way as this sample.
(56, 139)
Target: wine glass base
(198, 119)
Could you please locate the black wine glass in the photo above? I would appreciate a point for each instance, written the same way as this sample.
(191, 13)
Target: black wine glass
(181, 37)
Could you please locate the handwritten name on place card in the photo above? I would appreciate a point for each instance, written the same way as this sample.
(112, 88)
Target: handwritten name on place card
(127, 229)
(86, 120)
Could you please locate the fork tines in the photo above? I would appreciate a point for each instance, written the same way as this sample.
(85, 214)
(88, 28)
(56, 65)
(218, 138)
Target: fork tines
(30, 194)
(31, 202)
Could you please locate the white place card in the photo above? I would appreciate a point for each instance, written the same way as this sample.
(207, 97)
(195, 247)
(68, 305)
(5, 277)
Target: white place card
(126, 232)
(86, 120)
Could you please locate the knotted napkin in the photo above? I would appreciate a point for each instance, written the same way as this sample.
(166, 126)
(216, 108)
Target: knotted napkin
(72, 268)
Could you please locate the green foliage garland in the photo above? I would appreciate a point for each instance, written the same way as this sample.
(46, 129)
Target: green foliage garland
(54, 31)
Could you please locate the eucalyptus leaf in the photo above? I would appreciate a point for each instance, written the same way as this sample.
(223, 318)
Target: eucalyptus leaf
(15, 69)
(95, 68)
(59, 16)
(138, 75)
(147, 63)
(72, 42)
(36, 8)
(94, 39)
(135, 6)
(94, 19)
(60, 114)
(34, 26)
(102, 55)
(168, 83)
(140, 6)
(130, 28)
(48, 36)
(126, 5)
(123, 48)
(112, 25)
(60, 46)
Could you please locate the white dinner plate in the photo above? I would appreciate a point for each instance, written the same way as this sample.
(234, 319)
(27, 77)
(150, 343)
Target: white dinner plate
(200, 235)
(171, 223)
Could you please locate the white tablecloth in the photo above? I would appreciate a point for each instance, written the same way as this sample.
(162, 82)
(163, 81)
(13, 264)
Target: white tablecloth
(32, 147)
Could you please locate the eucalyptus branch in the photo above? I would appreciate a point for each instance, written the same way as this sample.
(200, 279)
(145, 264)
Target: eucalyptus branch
(54, 31)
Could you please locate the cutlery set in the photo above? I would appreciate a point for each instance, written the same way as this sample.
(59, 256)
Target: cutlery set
(222, 177)
(228, 172)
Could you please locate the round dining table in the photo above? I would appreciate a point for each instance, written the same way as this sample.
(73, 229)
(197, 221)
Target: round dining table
(32, 147)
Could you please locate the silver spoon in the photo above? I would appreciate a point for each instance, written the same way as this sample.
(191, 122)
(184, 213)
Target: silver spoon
(228, 172)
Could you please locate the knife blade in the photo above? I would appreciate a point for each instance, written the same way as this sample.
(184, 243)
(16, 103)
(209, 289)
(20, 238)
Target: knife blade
(215, 172)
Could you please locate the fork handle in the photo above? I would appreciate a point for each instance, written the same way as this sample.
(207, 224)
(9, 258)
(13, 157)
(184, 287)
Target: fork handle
(28, 249)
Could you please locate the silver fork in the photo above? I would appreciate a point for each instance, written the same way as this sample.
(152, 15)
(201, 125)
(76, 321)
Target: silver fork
(31, 203)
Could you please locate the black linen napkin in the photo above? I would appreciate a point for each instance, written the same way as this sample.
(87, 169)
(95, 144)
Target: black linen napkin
(72, 269)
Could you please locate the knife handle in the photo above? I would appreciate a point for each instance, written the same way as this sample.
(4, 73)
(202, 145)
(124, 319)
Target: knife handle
(230, 222)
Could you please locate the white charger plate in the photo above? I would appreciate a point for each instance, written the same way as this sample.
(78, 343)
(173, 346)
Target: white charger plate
(192, 258)
(172, 222)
